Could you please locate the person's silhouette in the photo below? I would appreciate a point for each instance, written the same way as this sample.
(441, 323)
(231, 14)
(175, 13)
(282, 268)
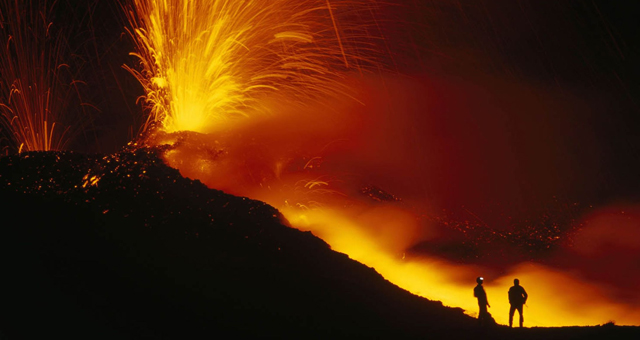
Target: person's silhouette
(483, 303)
(517, 298)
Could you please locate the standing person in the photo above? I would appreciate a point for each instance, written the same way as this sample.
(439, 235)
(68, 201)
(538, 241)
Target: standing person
(517, 298)
(483, 303)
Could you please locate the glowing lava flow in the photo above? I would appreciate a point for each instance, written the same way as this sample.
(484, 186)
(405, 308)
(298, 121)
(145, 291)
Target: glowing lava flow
(556, 298)
(33, 94)
(375, 232)
(206, 62)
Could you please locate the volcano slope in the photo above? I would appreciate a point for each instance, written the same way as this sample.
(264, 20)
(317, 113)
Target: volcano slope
(122, 246)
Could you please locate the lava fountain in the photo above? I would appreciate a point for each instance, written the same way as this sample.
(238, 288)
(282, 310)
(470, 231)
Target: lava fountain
(206, 64)
(37, 77)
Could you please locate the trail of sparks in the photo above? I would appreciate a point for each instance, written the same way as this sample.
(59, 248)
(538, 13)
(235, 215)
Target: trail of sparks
(32, 99)
(205, 63)
(335, 26)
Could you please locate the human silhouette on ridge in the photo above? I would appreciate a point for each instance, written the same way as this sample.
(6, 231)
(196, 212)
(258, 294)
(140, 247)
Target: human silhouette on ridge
(517, 298)
(483, 303)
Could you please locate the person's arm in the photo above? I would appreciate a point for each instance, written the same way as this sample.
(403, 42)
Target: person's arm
(526, 296)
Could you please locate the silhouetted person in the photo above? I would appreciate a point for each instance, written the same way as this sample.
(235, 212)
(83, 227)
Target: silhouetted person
(483, 303)
(517, 298)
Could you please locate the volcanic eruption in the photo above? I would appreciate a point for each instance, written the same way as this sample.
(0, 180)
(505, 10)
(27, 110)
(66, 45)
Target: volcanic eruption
(432, 172)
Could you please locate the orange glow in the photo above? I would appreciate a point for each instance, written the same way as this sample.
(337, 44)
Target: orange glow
(206, 63)
(556, 298)
(316, 197)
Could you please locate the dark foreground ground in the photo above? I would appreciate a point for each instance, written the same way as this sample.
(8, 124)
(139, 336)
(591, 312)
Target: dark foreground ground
(123, 247)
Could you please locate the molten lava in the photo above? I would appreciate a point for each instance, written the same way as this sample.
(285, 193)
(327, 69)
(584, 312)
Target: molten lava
(206, 63)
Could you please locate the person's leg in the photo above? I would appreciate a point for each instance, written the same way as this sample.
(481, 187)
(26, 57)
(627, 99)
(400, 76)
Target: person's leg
(512, 310)
(520, 310)
(483, 314)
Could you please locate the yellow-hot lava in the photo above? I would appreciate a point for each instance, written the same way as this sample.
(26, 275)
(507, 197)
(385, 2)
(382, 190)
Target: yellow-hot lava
(556, 298)
(206, 62)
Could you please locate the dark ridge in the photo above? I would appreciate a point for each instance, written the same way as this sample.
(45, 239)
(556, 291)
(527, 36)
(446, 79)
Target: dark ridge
(123, 247)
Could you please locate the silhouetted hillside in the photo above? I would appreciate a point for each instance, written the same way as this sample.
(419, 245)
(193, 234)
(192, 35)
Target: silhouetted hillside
(121, 246)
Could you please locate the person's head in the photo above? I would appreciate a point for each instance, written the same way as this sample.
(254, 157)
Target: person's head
(516, 282)
(479, 280)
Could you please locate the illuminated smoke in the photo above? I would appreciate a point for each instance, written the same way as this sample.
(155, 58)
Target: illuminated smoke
(322, 168)
(204, 63)
(36, 77)
(319, 175)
